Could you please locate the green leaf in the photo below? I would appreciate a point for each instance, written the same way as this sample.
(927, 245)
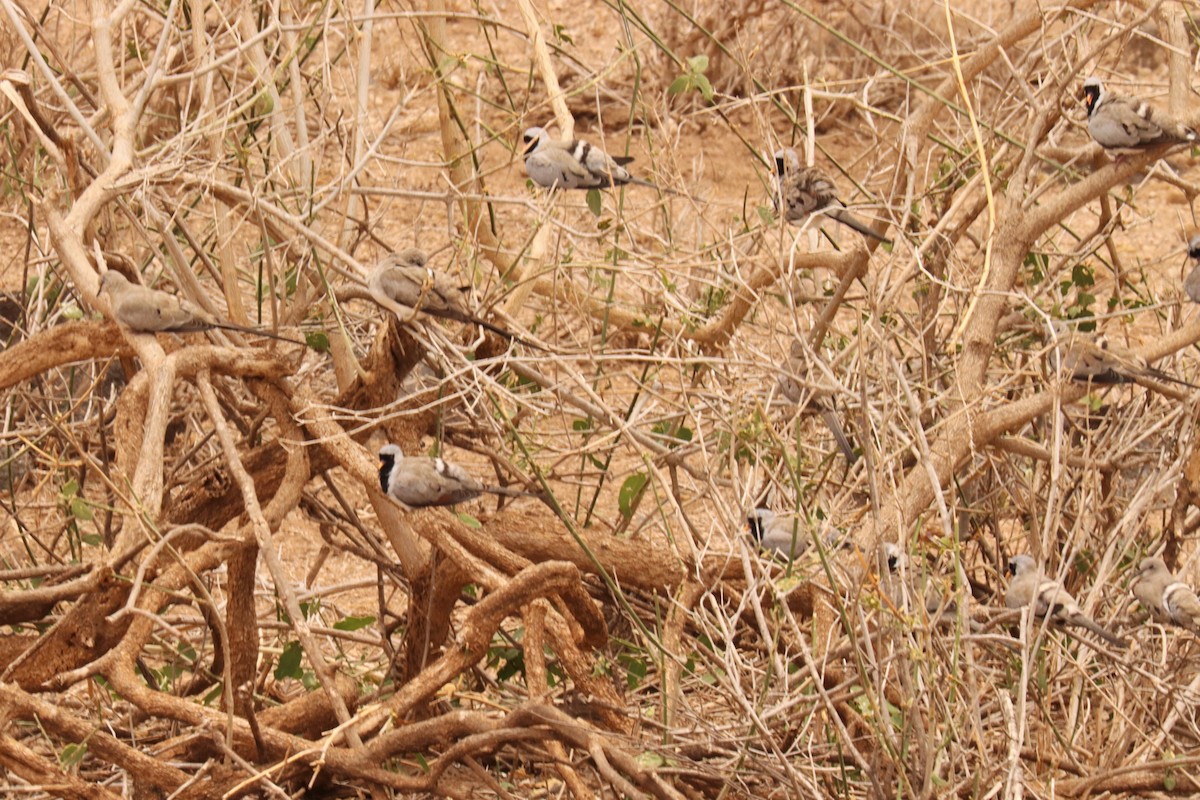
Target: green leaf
(264, 104)
(469, 521)
(594, 203)
(72, 312)
(635, 672)
(650, 760)
(92, 539)
(80, 509)
(680, 85)
(706, 89)
(353, 623)
(668, 429)
(631, 490)
(289, 662)
(72, 754)
(70, 489)
(317, 340)
(582, 424)
(697, 63)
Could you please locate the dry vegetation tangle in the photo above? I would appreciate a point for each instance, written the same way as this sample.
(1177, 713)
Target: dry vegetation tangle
(205, 594)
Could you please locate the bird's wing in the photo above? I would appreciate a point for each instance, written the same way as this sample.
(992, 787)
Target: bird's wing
(1181, 603)
(418, 287)
(799, 198)
(601, 165)
(1149, 592)
(550, 165)
(1118, 124)
(1053, 600)
(432, 482)
(145, 309)
(1191, 284)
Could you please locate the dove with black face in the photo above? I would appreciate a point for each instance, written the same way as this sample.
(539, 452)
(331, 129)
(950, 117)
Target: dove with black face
(575, 164)
(1046, 599)
(421, 481)
(803, 191)
(1127, 124)
(778, 534)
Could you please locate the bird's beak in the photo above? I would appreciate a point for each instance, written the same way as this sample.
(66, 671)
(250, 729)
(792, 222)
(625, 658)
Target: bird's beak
(1090, 95)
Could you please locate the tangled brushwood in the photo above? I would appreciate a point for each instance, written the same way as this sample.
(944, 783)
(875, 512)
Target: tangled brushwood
(518, 400)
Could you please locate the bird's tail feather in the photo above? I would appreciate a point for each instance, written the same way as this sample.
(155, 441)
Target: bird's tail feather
(229, 326)
(851, 221)
(509, 492)
(835, 427)
(496, 329)
(650, 185)
(1084, 622)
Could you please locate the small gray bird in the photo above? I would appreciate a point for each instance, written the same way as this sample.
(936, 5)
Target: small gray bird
(1102, 362)
(575, 164)
(1048, 600)
(803, 191)
(783, 535)
(405, 279)
(147, 310)
(787, 536)
(420, 481)
(792, 389)
(1126, 124)
(920, 585)
(1191, 284)
(1166, 597)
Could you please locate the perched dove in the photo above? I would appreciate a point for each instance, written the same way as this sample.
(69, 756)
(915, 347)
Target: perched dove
(403, 278)
(901, 580)
(793, 390)
(802, 191)
(147, 310)
(786, 535)
(1048, 600)
(419, 481)
(782, 535)
(1165, 596)
(575, 164)
(1191, 284)
(1127, 124)
(1100, 361)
